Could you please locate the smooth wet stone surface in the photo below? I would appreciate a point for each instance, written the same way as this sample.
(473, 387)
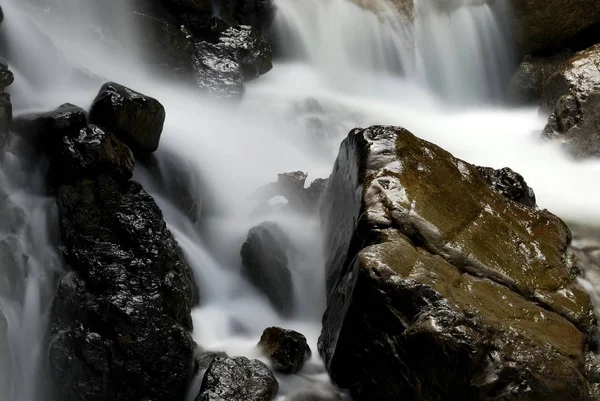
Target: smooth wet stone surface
(441, 288)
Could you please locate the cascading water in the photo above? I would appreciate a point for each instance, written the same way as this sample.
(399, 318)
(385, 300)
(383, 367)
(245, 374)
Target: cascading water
(346, 65)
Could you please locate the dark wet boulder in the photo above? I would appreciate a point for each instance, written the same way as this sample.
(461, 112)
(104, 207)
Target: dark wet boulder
(91, 153)
(254, 51)
(527, 83)
(217, 70)
(441, 288)
(121, 318)
(6, 78)
(47, 129)
(287, 349)
(509, 183)
(238, 379)
(572, 98)
(120, 323)
(266, 264)
(135, 118)
(545, 25)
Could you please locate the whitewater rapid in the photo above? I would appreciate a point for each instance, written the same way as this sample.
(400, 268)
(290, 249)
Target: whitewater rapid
(344, 67)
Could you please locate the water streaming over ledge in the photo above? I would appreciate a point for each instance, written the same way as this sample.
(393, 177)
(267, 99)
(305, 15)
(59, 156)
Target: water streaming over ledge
(344, 66)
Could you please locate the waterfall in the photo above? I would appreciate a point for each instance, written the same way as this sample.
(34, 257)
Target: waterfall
(437, 71)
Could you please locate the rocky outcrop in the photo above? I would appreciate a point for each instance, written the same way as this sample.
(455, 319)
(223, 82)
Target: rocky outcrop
(219, 55)
(217, 70)
(254, 53)
(134, 118)
(266, 265)
(6, 78)
(47, 129)
(527, 83)
(287, 349)
(508, 183)
(572, 97)
(238, 379)
(120, 321)
(542, 25)
(439, 287)
(292, 187)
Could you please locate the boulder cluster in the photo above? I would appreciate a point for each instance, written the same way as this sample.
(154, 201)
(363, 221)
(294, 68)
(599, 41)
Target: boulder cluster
(444, 280)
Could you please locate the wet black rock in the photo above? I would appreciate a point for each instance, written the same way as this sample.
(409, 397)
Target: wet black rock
(287, 349)
(93, 152)
(47, 129)
(572, 98)
(266, 265)
(217, 70)
(6, 78)
(120, 320)
(509, 183)
(238, 379)
(135, 118)
(254, 52)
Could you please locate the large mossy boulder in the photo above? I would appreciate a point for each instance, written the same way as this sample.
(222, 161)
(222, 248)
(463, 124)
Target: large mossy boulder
(135, 118)
(441, 288)
(545, 25)
(572, 98)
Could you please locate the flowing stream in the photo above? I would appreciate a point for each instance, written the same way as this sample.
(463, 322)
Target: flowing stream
(341, 65)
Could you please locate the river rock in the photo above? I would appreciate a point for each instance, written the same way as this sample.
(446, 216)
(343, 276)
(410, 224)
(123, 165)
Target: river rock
(120, 322)
(49, 128)
(527, 83)
(509, 183)
(217, 70)
(254, 52)
(266, 265)
(572, 97)
(238, 379)
(543, 25)
(439, 287)
(91, 153)
(135, 118)
(6, 78)
(287, 349)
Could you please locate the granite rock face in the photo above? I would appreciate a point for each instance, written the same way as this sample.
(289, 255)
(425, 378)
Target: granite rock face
(441, 288)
